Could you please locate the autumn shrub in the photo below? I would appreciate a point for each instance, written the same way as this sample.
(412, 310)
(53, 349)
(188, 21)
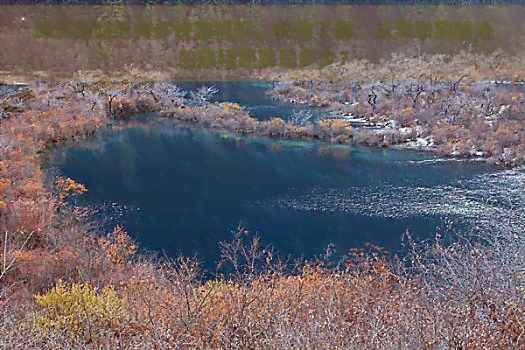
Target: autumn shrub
(467, 293)
(244, 125)
(405, 116)
(317, 101)
(25, 215)
(8, 247)
(426, 106)
(119, 246)
(229, 116)
(335, 128)
(438, 296)
(121, 107)
(185, 115)
(80, 310)
(275, 127)
(304, 132)
(228, 106)
(26, 94)
(67, 186)
(476, 274)
(367, 138)
(40, 269)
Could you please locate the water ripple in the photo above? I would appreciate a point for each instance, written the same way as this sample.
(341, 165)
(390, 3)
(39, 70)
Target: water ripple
(492, 201)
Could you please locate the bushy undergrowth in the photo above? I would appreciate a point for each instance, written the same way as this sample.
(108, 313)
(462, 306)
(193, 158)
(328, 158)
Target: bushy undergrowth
(465, 294)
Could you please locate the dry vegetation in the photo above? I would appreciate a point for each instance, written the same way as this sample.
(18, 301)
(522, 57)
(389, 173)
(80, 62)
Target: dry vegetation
(64, 285)
(460, 118)
(404, 65)
(436, 299)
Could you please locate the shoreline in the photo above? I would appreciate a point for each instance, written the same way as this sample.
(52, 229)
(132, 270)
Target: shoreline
(342, 127)
(459, 119)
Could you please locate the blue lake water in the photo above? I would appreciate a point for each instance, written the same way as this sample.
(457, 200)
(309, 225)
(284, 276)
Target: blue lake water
(184, 189)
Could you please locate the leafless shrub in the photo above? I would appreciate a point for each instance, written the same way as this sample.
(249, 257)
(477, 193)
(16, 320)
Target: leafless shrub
(367, 138)
(479, 274)
(8, 262)
(485, 89)
(244, 258)
(95, 99)
(112, 94)
(283, 87)
(302, 117)
(373, 91)
(167, 94)
(202, 95)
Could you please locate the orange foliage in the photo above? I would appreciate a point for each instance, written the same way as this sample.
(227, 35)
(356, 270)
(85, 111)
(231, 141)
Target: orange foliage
(119, 247)
(32, 189)
(335, 125)
(42, 267)
(276, 122)
(67, 185)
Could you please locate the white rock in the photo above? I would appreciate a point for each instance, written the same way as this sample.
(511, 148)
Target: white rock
(406, 130)
(503, 108)
(392, 124)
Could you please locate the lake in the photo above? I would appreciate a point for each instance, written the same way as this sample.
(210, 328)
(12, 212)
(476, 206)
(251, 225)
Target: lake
(184, 189)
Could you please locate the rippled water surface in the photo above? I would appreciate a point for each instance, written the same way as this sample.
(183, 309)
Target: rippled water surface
(185, 189)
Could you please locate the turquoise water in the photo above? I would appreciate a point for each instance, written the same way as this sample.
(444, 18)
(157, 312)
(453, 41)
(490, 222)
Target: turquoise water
(183, 190)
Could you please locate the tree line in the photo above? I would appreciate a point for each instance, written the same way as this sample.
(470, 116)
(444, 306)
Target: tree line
(260, 2)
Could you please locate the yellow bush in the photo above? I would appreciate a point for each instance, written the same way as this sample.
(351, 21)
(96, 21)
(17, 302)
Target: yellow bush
(227, 106)
(73, 309)
(340, 124)
(325, 123)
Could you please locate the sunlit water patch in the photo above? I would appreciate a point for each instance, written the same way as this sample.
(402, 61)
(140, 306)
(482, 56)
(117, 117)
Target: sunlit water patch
(487, 201)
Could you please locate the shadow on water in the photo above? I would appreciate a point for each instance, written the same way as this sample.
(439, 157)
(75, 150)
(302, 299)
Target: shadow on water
(183, 190)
